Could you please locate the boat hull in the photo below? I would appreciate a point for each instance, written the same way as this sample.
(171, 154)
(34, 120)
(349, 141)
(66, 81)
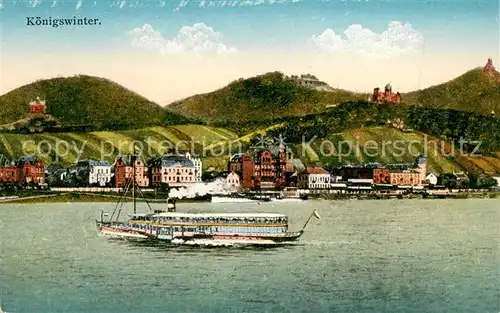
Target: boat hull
(238, 199)
(120, 231)
(117, 231)
(237, 240)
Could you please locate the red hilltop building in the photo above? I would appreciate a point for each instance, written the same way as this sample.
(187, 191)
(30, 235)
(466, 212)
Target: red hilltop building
(489, 68)
(387, 96)
(37, 106)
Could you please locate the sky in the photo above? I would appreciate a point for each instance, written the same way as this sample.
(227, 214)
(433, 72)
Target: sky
(168, 50)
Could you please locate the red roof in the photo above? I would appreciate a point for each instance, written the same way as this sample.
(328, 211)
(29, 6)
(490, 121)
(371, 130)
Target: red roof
(316, 170)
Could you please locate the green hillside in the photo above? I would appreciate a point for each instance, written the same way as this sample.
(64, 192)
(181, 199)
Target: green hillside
(474, 91)
(108, 144)
(85, 100)
(269, 96)
(386, 145)
(210, 140)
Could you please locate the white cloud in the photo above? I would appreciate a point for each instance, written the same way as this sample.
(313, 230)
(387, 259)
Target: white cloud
(398, 39)
(79, 4)
(196, 39)
(1, 4)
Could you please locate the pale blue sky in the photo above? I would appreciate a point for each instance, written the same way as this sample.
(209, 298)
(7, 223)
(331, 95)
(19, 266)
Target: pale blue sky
(459, 23)
(461, 28)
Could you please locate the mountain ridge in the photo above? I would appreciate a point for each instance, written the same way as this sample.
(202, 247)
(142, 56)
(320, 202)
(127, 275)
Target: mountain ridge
(241, 99)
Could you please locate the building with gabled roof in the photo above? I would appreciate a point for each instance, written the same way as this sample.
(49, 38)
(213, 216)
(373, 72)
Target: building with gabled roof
(8, 170)
(31, 169)
(124, 171)
(314, 178)
(262, 168)
(94, 172)
(174, 170)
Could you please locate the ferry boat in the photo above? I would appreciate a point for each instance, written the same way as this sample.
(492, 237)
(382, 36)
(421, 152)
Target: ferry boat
(206, 229)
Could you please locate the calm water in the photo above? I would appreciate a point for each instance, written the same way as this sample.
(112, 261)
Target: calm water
(362, 256)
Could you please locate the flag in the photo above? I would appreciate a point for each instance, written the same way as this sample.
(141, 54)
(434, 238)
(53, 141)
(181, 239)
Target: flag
(315, 213)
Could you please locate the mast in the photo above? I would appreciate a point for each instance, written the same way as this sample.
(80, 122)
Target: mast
(133, 180)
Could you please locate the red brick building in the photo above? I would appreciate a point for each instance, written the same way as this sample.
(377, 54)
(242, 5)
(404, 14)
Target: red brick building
(124, 171)
(262, 169)
(381, 176)
(31, 170)
(37, 106)
(8, 172)
(387, 96)
(235, 163)
(247, 171)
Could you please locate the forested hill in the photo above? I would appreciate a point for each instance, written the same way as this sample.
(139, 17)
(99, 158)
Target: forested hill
(86, 100)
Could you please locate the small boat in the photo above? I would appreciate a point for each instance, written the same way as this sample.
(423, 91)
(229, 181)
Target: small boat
(203, 229)
(239, 198)
(231, 199)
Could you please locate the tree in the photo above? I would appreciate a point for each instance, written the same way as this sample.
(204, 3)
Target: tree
(485, 181)
(448, 180)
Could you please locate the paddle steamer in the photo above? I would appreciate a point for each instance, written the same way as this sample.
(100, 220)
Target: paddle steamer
(199, 228)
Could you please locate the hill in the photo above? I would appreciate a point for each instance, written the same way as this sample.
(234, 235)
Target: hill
(214, 143)
(85, 100)
(474, 91)
(271, 95)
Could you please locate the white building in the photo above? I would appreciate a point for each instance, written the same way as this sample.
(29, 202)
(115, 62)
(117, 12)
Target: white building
(197, 166)
(314, 178)
(431, 179)
(233, 180)
(97, 172)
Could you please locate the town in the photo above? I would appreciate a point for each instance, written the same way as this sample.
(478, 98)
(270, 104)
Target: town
(266, 169)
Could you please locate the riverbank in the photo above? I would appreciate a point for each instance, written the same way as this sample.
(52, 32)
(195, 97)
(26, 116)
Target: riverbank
(83, 197)
(369, 196)
(99, 197)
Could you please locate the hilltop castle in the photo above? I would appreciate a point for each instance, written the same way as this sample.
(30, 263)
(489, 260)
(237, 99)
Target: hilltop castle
(490, 71)
(311, 81)
(387, 96)
(489, 68)
(37, 106)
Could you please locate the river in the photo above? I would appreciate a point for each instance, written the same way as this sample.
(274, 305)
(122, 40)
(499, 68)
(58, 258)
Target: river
(362, 256)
